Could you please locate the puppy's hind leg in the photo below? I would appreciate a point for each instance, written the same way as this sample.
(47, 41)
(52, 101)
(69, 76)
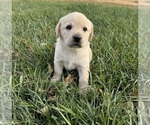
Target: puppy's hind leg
(58, 67)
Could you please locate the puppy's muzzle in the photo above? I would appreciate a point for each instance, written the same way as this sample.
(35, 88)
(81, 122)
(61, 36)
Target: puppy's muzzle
(77, 40)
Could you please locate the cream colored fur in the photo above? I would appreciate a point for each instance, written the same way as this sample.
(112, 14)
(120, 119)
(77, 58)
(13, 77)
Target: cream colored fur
(73, 53)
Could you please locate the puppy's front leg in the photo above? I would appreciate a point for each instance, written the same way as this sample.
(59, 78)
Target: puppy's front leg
(58, 67)
(83, 77)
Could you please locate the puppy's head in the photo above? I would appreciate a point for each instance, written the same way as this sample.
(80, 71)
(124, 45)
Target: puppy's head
(75, 30)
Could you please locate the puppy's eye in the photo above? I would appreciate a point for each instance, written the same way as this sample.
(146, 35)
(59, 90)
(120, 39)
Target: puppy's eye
(69, 27)
(84, 29)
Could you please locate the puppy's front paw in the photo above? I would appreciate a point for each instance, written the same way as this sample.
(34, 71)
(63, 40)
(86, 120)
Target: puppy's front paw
(54, 79)
(83, 86)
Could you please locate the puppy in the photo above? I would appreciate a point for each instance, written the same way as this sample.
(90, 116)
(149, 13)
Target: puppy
(74, 31)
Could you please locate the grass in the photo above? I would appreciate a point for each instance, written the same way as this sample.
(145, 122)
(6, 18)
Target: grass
(112, 95)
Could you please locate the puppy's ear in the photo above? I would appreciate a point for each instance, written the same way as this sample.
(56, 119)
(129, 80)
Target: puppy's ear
(91, 33)
(57, 29)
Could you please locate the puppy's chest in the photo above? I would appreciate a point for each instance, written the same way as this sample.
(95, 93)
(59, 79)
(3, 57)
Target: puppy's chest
(71, 61)
(69, 65)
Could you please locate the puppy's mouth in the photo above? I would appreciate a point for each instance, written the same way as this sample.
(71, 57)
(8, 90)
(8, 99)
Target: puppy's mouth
(75, 45)
(76, 41)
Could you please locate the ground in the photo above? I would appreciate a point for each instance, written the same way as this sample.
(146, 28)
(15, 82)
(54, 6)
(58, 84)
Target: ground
(134, 3)
(112, 95)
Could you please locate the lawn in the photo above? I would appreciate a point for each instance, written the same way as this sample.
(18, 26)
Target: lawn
(112, 95)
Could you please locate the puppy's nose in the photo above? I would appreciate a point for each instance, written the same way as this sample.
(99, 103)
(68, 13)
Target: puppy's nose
(77, 38)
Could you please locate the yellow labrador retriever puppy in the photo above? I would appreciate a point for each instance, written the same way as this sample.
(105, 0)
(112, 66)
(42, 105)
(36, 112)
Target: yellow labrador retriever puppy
(74, 31)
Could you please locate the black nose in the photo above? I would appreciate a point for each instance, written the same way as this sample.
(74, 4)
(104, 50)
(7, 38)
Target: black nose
(77, 38)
